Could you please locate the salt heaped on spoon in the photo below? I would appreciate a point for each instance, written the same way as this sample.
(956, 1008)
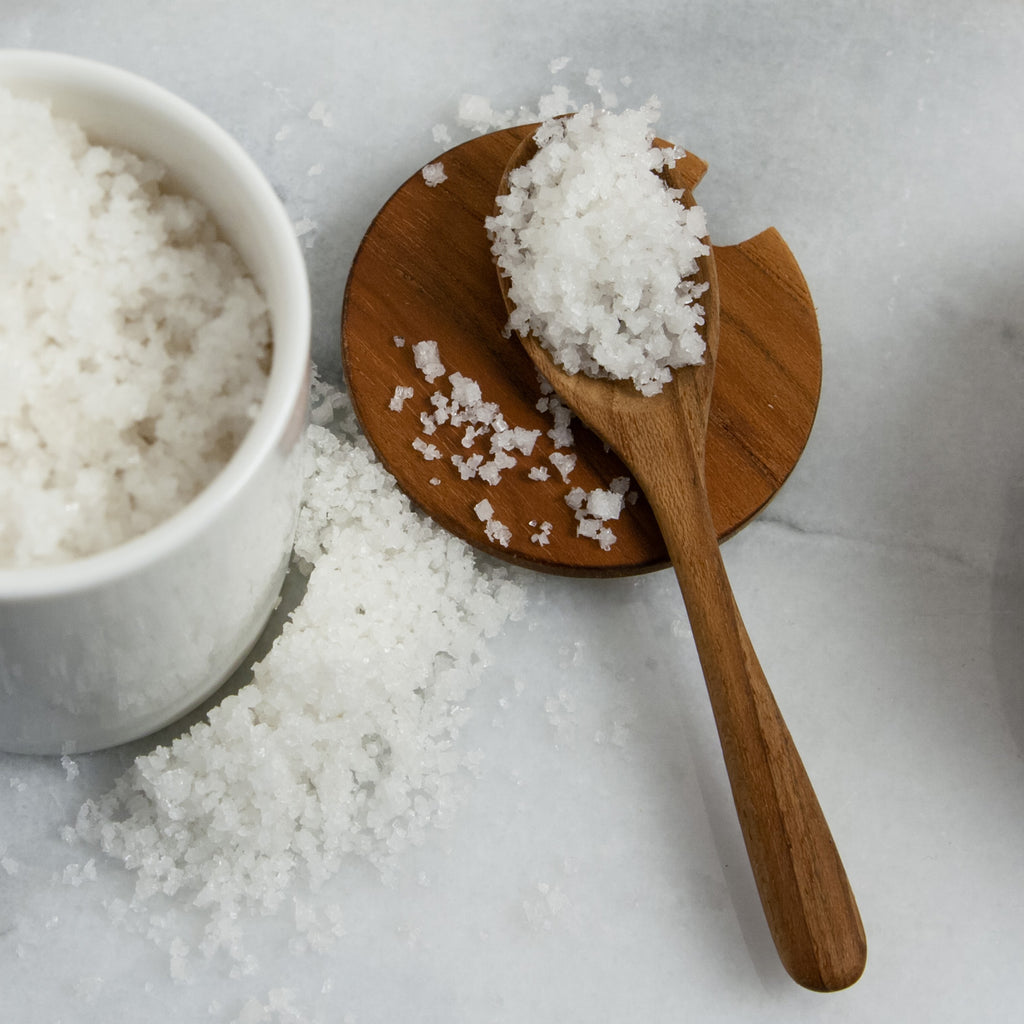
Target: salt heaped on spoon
(598, 254)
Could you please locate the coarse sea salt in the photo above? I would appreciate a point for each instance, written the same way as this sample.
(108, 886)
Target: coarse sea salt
(434, 174)
(135, 345)
(464, 409)
(599, 256)
(344, 743)
(427, 361)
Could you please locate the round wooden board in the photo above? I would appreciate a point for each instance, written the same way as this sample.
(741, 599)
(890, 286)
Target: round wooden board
(424, 272)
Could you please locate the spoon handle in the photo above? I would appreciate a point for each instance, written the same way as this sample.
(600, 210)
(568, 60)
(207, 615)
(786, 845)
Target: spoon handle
(806, 896)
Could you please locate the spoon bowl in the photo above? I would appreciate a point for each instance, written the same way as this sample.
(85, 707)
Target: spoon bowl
(807, 899)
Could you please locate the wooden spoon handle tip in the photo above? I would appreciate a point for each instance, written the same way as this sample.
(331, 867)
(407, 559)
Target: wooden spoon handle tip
(804, 890)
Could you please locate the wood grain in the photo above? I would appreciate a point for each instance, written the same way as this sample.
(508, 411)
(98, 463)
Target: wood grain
(424, 271)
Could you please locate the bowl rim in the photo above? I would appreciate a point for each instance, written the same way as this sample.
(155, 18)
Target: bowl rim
(290, 366)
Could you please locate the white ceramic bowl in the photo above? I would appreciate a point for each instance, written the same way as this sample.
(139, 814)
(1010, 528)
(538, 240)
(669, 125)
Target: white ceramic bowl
(112, 647)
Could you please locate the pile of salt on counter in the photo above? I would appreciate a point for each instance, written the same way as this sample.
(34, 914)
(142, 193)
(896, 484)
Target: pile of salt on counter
(344, 742)
(135, 346)
(598, 253)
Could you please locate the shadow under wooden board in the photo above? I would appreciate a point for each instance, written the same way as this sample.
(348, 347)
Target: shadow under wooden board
(424, 272)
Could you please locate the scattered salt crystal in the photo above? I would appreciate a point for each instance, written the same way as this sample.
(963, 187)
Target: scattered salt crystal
(467, 467)
(594, 509)
(399, 341)
(315, 170)
(433, 174)
(525, 440)
(558, 64)
(399, 398)
(442, 406)
(282, 133)
(575, 498)
(490, 473)
(564, 462)
(680, 627)
(465, 390)
(303, 226)
(435, 481)
(502, 440)
(70, 767)
(430, 452)
(542, 537)
(604, 504)
(562, 416)
(465, 408)
(498, 532)
(441, 134)
(427, 361)
(487, 414)
(10, 865)
(484, 510)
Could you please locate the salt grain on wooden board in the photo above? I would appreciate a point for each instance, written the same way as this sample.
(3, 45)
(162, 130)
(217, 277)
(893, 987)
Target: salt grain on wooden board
(433, 174)
(344, 743)
(464, 407)
(399, 397)
(427, 361)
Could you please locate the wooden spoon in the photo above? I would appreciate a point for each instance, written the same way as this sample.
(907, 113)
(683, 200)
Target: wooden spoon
(806, 896)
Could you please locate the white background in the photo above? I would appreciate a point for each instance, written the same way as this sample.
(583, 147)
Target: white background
(884, 588)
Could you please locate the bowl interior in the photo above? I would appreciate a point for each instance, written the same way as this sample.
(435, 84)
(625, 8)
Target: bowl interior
(118, 108)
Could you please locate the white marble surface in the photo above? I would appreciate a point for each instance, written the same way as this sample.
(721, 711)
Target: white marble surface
(884, 588)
